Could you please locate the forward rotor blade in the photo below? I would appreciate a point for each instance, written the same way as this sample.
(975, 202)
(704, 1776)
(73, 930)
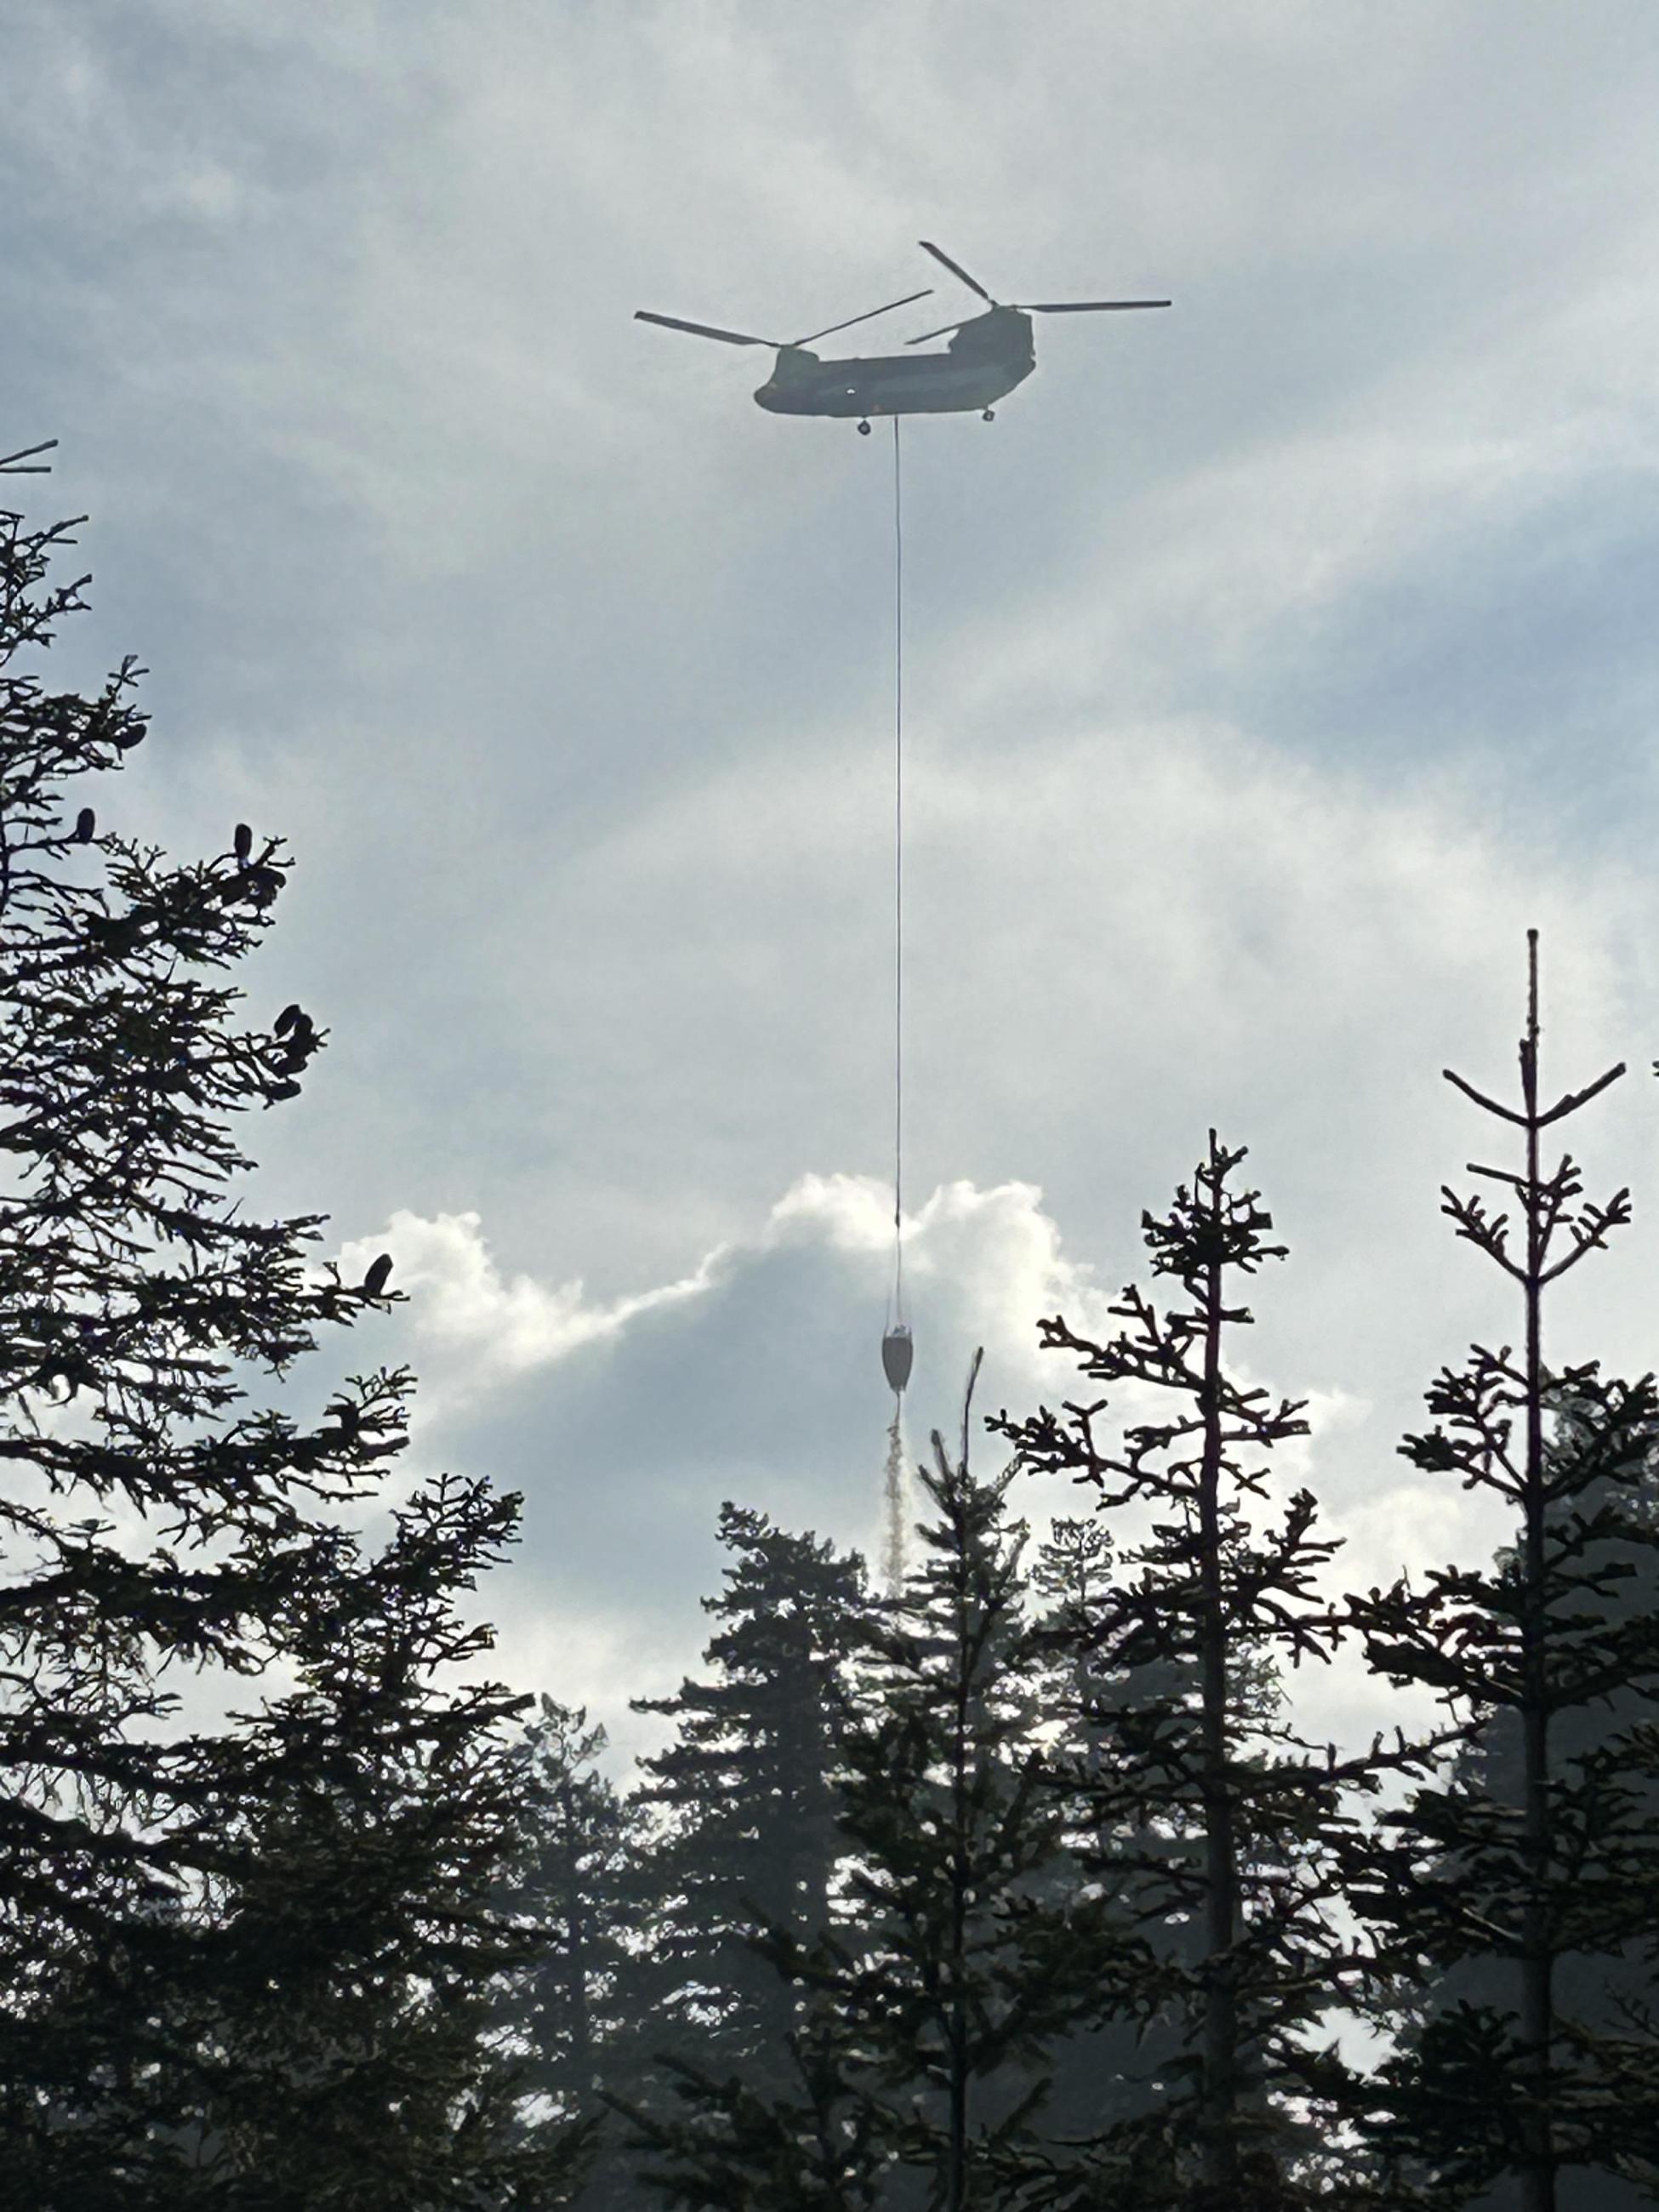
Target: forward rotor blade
(956, 270)
(701, 329)
(10, 463)
(944, 333)
(1085, 307)
(867, 316)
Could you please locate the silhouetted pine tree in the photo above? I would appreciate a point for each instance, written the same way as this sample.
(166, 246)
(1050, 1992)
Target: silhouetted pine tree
(966, 1960)
(1613, 1993)
(1530, 1880)
(943, 1808)
(1103, 2068)
(153, 1528)
(1209, 1816)
(354, 1932)
(743, 1798)
(807, 2139)
(920, 2017)
(573, 1883)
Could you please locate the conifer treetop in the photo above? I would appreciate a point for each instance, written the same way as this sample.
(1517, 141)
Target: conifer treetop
(257, 1944)
(1530, 1865)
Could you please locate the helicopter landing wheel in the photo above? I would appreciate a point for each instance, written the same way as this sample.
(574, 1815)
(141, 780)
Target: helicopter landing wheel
(863, 429)
(989, 415)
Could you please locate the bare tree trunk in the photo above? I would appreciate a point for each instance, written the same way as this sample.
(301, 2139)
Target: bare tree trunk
(1537, 1960)
(577, 1964)
(956, 2174)
(1219, 2149)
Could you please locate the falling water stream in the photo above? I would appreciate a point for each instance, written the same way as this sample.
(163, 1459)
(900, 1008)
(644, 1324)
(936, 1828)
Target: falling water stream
(893, 1561)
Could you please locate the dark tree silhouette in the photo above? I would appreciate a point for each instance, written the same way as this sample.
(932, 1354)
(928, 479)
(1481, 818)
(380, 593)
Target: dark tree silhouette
(716, 2070)
(804, 2140)
(570, 1879)
(1537, 1860)
(354, 1933)
(155, 1530)
(1611, 1996)
(1209, 1813)
(743, 1797)
(965, 1959)
(573, 1882)
(920, 2007)
(1105, 2068)
(960, 1979)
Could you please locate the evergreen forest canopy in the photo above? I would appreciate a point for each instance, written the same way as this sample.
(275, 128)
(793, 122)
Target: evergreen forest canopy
(1015, 1886)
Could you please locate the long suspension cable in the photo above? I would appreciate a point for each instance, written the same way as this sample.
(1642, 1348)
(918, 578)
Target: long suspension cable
(898, 880)
(898, 1341)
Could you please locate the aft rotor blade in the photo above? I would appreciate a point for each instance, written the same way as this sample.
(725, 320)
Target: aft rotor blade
(956, 270)
(1085, 307)
(867, 316)
(944, 333)
(701, 329)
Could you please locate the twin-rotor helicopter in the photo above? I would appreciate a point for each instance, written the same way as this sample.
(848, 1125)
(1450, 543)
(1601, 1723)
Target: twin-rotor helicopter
(987, 356)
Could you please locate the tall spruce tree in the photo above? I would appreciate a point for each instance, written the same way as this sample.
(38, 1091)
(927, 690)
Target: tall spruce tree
(743, 1798)
(570, 1880)
(921, 2015)
(1612, 1995)
(1105, 2065)
(944, 1810)
(573, 1884)
(1528, 1880)
(354, 1932)
(155, 1528)
(966, 1961)
(807, 2138)
(1209, 1814)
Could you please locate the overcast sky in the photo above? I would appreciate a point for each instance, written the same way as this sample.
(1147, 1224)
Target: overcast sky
(1272, 664)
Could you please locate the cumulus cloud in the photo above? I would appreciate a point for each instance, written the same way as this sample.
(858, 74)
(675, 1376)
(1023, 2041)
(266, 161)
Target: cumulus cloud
(755, 1377)
(627, 1422)
(989, 1260)
(485, 1327)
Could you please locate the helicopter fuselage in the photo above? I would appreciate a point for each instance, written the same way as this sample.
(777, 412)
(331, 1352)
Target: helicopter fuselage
(986, 359)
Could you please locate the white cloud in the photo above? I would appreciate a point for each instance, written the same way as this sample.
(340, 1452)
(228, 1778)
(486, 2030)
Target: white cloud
(755, 1378)
(484, 1326)
(992, 1258)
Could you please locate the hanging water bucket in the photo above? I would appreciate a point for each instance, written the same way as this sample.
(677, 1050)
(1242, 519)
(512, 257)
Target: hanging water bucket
(897, 1353)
